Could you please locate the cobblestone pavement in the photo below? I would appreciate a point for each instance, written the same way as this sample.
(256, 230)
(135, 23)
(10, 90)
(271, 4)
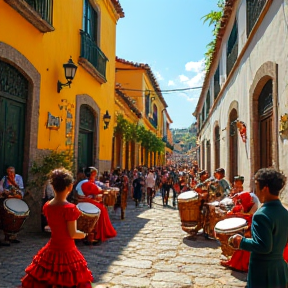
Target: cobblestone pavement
(150, 250)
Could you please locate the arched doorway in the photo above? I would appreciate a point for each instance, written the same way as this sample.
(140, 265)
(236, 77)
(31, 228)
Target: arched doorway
(86, 137)
(233, 145)
(265, 112)
(13, 98)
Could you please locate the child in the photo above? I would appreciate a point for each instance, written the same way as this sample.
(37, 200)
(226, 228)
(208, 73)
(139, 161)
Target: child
(59, 263)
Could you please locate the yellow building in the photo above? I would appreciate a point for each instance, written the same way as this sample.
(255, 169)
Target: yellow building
(36, 39)
(138, 83)
(37, 113)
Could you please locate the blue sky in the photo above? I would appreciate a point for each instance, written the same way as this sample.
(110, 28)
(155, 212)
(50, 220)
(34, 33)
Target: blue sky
(169, 36)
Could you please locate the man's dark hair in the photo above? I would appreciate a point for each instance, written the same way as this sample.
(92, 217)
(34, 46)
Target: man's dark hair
(271, 178)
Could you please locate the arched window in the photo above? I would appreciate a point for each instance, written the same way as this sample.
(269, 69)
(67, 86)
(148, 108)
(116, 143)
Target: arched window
(233, 146)
(217, 147)
(155, 115)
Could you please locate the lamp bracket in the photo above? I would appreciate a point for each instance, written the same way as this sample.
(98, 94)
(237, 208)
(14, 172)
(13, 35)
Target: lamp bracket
(60, 85)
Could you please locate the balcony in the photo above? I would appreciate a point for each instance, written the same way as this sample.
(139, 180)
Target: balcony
(38, 12)
(153, 122)
(92, 58)
(232, 57)
(254, 9)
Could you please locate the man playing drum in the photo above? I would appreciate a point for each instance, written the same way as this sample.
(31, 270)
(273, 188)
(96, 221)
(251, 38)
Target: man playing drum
(269, 230)
(11, 186)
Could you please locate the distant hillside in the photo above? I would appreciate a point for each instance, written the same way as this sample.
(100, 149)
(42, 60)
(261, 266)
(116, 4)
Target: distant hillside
(184, 139)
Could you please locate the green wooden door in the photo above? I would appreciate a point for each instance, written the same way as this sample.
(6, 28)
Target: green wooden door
(86, 137)
(85, 148)
(13, 96)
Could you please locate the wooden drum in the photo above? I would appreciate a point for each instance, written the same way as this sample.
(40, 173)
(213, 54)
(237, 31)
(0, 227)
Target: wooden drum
(89, 217)
(110, 196)
(14, 213)
(189, 210)
(214, 215)
(226, 228)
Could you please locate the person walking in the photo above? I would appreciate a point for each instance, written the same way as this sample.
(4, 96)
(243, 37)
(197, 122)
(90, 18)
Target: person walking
(150, 185)
(267, 268)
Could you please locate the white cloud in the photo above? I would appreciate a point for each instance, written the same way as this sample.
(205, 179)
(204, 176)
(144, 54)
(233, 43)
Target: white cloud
(183, 78)
(171, 83)
(158, 76)
(197, 80)
(197, 67)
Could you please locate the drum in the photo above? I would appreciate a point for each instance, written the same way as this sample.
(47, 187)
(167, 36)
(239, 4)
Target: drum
(110, 196)
(214, 215)
(226, 204)
(15, 213)
(89, 217)
(226, 228)
(189, 211)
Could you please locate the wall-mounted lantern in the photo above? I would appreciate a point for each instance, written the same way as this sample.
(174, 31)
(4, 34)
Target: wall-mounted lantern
(70, 71)
(152, 98)
(106, 119)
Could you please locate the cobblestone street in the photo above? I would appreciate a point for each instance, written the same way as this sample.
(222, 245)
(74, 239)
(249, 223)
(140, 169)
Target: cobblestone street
(150, 250)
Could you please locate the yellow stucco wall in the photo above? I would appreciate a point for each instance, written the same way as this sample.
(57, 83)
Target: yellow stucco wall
(49, 51)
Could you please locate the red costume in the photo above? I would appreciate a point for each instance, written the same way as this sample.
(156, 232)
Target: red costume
(103, 228)
(59, 262)
(240, 258)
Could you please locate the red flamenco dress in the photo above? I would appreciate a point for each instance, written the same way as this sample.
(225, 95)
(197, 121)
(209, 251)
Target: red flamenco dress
(59, 262)
(103, 228)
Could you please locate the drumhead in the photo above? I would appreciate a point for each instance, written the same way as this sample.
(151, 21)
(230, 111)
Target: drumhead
(188, 195)
(88, 208)
(227, 201)
(16, 205)
(115, 189)
(230, 224)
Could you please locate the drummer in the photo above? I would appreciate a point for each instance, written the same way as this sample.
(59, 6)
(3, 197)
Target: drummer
(11, 186)
(224, 187)
(10, 181)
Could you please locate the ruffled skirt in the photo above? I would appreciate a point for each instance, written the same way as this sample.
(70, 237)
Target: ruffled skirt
(50, 266)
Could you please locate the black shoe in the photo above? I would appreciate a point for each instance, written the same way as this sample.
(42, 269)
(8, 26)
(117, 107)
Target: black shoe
(4, 243)
(96, 242)
(15, 241)
(86, 242)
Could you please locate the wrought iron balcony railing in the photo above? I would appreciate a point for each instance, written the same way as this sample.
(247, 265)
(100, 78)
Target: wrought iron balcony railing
(232, 57)
(153, 122)
(91, 52)
(254, 9)
(44, 8)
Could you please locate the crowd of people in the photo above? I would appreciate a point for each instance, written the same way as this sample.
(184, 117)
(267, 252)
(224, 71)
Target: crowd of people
(261, 251)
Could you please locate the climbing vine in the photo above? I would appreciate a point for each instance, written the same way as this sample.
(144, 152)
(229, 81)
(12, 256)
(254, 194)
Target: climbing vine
(131, 131)
(214, 19)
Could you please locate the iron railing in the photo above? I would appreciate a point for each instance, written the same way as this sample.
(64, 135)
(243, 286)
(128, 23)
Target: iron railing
(254, 9)
(44, 8)
(91, 52)
(153, 122)
(232, 57)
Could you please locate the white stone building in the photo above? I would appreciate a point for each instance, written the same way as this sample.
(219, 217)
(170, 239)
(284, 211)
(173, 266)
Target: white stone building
(247, 82)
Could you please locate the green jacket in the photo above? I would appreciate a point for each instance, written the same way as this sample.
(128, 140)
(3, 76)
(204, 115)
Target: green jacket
(267, 267)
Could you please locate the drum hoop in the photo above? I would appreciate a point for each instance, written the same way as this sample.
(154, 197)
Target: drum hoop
(92, 215)
(188, 200)
(13, 212)
(232, 230)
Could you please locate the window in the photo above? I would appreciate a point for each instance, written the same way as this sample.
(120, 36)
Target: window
(232, 48)
(90, 19)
